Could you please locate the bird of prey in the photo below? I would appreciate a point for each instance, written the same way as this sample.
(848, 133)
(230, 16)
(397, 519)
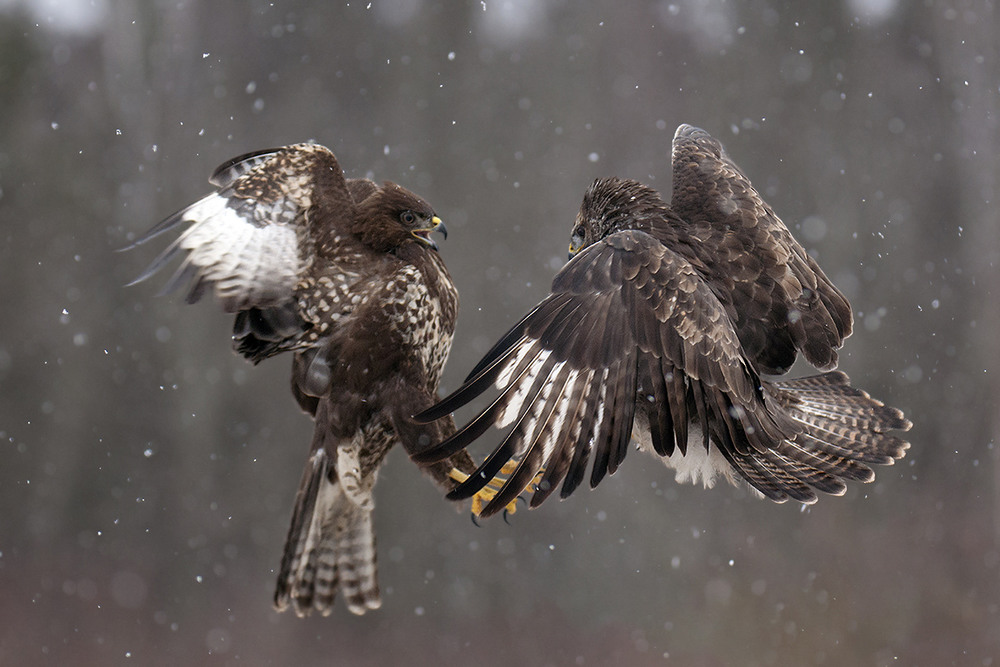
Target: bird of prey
(343, 274)
(660, 330)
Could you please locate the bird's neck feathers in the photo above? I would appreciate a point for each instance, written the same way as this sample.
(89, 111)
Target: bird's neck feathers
(617, 204)
(412, 251)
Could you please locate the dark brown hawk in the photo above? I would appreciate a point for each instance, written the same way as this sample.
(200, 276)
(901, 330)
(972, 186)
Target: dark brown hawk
(343, 274)
(658, 331)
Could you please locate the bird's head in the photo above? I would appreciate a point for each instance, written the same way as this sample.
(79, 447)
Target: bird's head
(394, 216)
(610, 205)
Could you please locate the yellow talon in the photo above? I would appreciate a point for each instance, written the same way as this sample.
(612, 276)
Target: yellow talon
(489, 492)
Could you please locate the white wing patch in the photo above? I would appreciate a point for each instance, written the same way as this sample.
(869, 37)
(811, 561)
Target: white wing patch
(249, 264)
(557, 422)
(506, 375)
(513, 407)
(533, 421)
(586, 388)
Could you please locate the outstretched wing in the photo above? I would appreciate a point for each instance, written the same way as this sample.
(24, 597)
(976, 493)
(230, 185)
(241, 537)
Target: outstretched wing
(252, 239)
(629, 326)
(780, 299)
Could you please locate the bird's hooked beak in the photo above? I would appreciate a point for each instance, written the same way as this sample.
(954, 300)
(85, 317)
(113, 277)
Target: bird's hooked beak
(573, 249)
(424, 235)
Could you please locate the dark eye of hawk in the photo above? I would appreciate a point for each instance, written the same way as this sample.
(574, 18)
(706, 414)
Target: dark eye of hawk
(579, 231)
(408, 217)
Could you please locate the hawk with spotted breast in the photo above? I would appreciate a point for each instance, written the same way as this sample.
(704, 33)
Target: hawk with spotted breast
(665, 329)
(343, 274)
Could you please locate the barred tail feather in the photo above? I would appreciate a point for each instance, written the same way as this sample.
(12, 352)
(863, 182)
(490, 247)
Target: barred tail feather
(843, 432)
(330, 545)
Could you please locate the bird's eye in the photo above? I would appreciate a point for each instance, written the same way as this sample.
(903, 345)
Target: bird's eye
(579, 231)
(408, 217)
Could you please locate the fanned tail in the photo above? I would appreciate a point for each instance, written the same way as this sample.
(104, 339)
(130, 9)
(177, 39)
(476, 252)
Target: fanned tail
(330, 544)
(843, 432)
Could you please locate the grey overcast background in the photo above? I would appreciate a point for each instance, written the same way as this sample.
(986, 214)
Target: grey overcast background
(147, 474)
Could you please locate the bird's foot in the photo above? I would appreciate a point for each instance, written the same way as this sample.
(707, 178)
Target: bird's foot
(483, 497)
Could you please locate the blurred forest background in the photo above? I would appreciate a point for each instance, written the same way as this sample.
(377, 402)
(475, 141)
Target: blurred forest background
(147, 474)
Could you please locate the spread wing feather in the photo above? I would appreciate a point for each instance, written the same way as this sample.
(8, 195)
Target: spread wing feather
(627, 318)
(662, 324)
(780, 299)
(251, 240)
(230, 170)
